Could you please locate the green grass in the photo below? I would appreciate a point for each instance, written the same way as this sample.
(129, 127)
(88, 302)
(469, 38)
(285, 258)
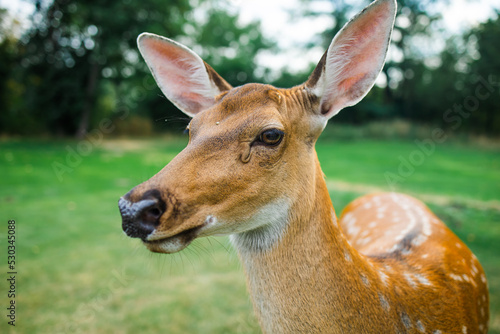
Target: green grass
(77, 272)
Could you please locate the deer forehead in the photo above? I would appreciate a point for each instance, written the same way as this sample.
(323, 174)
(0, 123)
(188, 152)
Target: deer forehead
(249, 96)
(247, 109)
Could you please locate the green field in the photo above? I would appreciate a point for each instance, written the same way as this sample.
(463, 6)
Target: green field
(78, 273)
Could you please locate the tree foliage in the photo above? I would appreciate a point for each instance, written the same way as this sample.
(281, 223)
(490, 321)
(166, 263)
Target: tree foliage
(79, 61)
(426, 86)
(486, 67)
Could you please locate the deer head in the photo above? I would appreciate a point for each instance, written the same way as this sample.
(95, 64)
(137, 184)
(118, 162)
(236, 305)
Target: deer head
(250, 163)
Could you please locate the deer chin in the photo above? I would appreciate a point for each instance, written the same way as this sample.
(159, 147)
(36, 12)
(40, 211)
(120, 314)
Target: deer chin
(174, 243)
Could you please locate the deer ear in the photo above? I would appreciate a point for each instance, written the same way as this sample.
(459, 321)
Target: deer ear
(350, 66)
(185, 79)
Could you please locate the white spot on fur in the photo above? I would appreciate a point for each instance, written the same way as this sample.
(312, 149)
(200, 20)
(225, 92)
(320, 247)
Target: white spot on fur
(464, 329)
(412, 222)
(399, 238)
(437, 332)
(455, 277)
(384, 302)
(347, 255)
(483, 278)
(420, 326)
(475, 271)
(364, 241)
(365, 280)
(353, 230)
(406, 320)
(383, 277)
(409, 279)
(349, 218)
(419, 240)
(422, 279)
(427, 229)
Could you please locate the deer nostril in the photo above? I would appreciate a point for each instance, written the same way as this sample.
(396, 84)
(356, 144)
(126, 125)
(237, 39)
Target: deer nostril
(141, 218)
(151, 215)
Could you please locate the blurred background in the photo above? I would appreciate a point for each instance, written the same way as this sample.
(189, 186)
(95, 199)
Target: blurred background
(82, 122)
(66, 65)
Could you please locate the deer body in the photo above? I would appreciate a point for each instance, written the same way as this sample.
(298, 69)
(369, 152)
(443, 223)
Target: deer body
(315, 281)
(250, 170)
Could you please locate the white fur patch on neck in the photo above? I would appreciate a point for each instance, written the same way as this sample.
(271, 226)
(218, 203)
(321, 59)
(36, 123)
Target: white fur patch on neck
(264, 229)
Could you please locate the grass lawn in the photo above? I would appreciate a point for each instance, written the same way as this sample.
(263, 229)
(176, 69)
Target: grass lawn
(78, 273)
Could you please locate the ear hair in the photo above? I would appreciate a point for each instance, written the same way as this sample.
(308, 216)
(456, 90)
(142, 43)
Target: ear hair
(185, 79)
(349, 68)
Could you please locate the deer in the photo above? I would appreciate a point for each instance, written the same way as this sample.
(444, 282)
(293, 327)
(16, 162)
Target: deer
(250, 171)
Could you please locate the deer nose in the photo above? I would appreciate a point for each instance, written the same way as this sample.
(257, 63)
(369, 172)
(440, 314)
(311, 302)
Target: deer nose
(141, 218)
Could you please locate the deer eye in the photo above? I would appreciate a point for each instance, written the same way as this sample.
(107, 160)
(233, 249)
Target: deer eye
(271, 137)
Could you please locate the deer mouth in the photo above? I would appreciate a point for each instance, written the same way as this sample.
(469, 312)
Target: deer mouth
(173, 243)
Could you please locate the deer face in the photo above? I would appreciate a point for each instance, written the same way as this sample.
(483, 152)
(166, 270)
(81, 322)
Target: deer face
(250, 160)
(234, 174)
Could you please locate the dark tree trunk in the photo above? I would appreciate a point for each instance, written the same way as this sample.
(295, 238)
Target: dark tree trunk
(388, 96)
(90, 97)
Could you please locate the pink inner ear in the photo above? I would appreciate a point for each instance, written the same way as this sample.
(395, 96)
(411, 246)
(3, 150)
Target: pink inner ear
(364, 42)
(180, 74)
(172, 63)
(352, 81)
(356, 57)
(162, 49)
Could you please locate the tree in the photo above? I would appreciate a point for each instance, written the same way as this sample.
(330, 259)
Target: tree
(11, 90)
(485, 66)
(73, 46)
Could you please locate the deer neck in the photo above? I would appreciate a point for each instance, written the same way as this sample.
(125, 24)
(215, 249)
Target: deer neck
(303, 282)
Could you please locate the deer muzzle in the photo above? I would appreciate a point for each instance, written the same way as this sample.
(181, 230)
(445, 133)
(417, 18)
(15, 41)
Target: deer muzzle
(140, 219)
